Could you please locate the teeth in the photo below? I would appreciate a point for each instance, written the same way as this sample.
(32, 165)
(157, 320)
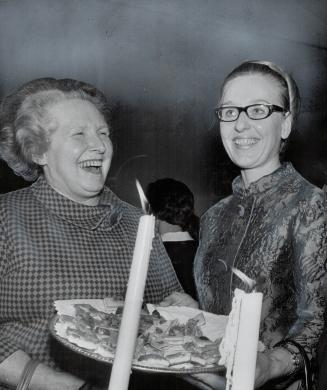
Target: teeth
(91, 163)
(245, 141)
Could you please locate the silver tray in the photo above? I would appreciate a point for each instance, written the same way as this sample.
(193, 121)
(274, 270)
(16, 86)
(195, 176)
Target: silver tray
(135, 365)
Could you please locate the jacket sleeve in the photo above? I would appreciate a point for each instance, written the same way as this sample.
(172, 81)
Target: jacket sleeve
(310, 254)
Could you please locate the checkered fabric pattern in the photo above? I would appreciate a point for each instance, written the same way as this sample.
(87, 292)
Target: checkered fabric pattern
(52, 248)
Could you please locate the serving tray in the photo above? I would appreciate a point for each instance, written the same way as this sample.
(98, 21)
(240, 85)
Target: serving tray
(136, 365)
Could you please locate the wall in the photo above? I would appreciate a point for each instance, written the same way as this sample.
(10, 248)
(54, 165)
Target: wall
(161, 64)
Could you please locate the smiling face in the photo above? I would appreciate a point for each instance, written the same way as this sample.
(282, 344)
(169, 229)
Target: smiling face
(78, 159)
(254, 145)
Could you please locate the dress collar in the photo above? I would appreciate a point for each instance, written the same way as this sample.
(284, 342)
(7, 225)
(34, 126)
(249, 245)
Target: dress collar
(103, 216)
(265, 183)
(176, 236)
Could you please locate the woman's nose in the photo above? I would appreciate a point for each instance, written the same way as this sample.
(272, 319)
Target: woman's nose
(242, 123)
(96, 143)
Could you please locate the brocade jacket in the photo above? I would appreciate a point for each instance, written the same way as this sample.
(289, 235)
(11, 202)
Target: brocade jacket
(275, 232)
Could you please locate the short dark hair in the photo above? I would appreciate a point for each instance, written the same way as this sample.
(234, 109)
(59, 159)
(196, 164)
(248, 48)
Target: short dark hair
(172, 201)
(26, 124)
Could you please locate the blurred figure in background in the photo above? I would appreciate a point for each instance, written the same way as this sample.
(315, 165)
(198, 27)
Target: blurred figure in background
(172, 202)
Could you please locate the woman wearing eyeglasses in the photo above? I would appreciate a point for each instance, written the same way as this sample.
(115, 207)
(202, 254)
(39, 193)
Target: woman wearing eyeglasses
(273, 226)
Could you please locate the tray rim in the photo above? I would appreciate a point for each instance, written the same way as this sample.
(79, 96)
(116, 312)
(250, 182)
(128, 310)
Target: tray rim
(135, 366)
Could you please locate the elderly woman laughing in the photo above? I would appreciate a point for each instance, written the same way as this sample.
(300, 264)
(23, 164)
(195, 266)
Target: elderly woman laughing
(67, 235)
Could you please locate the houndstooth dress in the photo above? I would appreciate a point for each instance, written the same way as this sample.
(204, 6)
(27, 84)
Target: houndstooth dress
(53, 248)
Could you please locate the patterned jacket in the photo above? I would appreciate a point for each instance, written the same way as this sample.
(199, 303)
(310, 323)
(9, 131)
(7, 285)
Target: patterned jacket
(53, 248)
(276, 233)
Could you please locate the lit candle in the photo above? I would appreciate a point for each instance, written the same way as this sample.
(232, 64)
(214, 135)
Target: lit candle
(121, 368)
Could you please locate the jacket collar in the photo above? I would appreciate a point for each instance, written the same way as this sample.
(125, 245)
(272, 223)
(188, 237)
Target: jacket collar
(103, 216)
(265, 183)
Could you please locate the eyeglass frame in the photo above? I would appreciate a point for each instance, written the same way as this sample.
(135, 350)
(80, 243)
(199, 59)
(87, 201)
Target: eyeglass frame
(272, 108)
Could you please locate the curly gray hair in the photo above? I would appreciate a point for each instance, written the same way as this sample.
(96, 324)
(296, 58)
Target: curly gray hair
(25, 124)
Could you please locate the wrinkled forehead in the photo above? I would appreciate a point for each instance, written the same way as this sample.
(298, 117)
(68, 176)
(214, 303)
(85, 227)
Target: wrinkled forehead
(251, 88)
(76, 113)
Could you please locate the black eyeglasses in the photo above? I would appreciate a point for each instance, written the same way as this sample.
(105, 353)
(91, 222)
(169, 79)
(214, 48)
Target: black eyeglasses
(254, 111)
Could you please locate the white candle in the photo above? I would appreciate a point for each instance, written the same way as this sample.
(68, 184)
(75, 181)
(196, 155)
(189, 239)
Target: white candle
(121, 368)
(243, 371)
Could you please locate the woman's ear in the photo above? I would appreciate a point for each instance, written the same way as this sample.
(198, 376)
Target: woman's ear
(287, 126)
(40, 159)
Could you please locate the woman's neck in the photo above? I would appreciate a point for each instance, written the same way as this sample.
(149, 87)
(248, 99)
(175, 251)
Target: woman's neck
(91, 201)
(250, 175)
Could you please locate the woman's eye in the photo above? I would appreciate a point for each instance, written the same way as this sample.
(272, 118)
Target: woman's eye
(103, 131)
(230, 113)
(257, 110)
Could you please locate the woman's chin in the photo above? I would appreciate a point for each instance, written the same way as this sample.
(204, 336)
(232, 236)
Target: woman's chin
(92, 179)
(94, 188)
(245, 162)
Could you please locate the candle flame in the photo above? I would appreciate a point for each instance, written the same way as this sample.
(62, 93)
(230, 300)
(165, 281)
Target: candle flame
(143, 199)
(245, 279)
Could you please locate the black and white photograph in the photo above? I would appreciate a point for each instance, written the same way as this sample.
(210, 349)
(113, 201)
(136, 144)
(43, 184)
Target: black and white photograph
(163, 194)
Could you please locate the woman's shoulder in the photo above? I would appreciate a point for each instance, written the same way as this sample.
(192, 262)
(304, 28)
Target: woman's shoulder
(304, 200)
(21, 195)
(307, 191)
(15, 202)
(126, 208)
(217, 207)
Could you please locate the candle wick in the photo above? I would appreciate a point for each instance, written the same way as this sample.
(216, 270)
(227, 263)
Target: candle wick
(149, 209)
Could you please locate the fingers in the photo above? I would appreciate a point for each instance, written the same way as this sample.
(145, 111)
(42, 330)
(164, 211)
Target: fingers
(179, 299)
(207, 381)
(261, 370)
(173, 299)
(192, 303)
(168, 301)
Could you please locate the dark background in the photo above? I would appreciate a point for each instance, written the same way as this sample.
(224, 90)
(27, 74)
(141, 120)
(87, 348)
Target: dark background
(161, 63)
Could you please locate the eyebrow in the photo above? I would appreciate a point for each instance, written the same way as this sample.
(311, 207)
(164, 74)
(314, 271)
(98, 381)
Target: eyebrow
(85, 127)
(70, 128)
(257, 101)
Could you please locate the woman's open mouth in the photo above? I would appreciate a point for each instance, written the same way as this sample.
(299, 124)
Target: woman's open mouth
(92, 166)
(245, 143)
